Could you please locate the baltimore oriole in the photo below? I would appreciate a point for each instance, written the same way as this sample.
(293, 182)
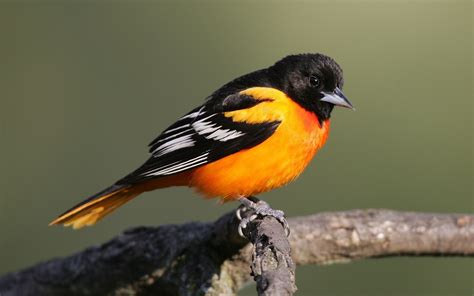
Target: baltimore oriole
(255, 133)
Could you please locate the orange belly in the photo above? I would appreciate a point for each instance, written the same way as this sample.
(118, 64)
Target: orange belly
(271, 164)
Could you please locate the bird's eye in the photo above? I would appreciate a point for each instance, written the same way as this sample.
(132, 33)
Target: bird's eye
(314, 81)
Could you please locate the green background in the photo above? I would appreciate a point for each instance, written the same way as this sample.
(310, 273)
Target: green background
(84, 86)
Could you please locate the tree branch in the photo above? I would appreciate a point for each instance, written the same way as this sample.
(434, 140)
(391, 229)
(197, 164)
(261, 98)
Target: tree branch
(272, 266)
(211, 259)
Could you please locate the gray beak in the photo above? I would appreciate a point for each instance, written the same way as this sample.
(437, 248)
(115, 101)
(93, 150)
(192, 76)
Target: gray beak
(337, 98)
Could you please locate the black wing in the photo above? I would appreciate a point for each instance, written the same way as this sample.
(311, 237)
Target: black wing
(202, 136)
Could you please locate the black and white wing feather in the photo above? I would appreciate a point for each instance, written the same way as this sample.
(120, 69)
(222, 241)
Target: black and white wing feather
(202, 136)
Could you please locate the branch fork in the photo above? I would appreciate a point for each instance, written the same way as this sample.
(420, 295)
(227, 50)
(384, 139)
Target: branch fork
(212, 259)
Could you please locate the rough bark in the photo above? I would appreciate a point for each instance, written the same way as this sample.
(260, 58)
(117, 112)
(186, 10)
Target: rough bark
(272, 266)
(211, 259)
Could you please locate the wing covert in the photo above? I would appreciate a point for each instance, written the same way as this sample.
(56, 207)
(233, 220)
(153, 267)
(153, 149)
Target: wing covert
(202, 136)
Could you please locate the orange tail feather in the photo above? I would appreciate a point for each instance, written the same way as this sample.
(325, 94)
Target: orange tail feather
(95, 208)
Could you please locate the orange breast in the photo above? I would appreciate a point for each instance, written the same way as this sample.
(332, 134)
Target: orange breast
(271, 164)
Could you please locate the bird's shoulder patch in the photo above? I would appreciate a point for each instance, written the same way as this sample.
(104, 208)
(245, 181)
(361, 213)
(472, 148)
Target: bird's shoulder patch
(271, 105)
(265, 93)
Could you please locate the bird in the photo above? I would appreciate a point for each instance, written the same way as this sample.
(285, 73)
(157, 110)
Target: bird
(256, 133)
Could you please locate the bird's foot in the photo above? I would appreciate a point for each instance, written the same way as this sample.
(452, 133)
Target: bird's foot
(259, 208)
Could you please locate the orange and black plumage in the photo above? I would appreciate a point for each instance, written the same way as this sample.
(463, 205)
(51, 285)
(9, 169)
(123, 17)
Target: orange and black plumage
(255, 133)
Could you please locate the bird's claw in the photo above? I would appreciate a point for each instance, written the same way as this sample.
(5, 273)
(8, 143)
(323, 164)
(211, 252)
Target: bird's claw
(262, 209)
(239, 211)
(244, 223)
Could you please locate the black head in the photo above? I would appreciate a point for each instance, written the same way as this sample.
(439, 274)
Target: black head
(313, 80)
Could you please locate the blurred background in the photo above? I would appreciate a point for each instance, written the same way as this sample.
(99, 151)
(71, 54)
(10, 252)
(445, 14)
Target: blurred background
(85, 86)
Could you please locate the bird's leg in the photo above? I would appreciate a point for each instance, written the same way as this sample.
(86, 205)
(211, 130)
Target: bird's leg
(260, 208)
